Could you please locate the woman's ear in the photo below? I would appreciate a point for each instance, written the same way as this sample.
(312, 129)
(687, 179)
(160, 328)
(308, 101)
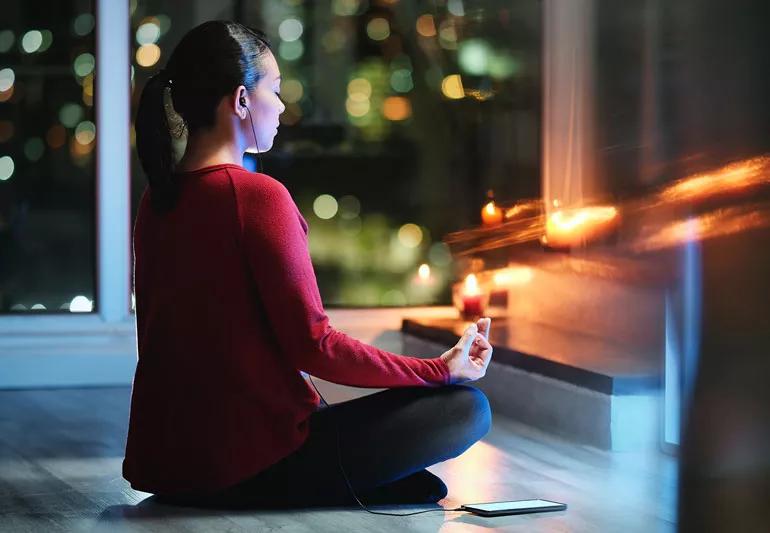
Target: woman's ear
(240, 101)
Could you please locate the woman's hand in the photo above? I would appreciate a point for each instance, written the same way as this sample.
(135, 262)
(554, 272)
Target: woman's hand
(468, 359)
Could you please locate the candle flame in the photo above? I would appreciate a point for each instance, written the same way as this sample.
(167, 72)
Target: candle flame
(575, 220)
(424, 272)
(490, 208)
(471, 285)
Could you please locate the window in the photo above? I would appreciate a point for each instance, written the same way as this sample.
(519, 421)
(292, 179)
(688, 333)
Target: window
(401, 116)
(47, 157)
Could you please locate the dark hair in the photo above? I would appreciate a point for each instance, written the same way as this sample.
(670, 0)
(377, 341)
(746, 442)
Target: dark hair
(209, 62)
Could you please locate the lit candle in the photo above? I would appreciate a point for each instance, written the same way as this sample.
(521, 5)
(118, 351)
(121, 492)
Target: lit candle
(472, 304)
(491, 214)
(573, 227)
(423, 275)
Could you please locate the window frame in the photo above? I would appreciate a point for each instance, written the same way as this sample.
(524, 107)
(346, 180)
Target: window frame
(97, 348)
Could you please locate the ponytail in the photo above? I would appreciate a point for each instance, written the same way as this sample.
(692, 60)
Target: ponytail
(153, 142)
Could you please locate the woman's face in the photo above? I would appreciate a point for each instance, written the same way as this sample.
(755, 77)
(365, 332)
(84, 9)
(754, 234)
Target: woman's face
(265, 106)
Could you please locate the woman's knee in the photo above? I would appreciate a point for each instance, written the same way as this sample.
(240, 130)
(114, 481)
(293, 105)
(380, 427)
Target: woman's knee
(470, 411)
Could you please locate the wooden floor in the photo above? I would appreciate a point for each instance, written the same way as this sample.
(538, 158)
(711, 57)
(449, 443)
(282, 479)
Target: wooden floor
(61, 452)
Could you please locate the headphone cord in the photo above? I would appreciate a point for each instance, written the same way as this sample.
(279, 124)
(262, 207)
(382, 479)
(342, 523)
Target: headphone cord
(259, 155)
(347, 481)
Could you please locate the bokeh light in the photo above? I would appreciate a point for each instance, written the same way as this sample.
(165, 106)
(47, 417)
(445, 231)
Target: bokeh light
(148, 33)
(7, 78)
(291, 90)
(290, 29)
(396, 108)
(360, 86)
(325, 206)
(84, 64)
(401, 80)
(333, 40)
(456, 8)
(70, 114)
(85, 132)
(81, 304)
(357, 108)
(473, 56)
(6, 167)
(31, 41)
(452, 87)
(447, 35)
(410, 235)
(425, 25)
(147, 55)
(83, 24)
(291, 50)
(6, 40)
(34, 148)
(345, 8)
(378, 29)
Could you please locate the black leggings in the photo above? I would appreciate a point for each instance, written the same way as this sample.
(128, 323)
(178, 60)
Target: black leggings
(385, 442)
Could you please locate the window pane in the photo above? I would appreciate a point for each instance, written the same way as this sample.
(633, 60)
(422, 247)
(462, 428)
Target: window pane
(47, 164)
(401, 119)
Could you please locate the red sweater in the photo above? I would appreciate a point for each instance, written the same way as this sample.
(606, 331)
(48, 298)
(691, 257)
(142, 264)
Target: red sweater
(228, 314)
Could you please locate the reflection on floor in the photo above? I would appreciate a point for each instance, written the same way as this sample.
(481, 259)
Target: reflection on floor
(61, 451)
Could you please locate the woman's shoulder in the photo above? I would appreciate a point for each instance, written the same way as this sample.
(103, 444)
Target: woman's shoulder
(259, 189)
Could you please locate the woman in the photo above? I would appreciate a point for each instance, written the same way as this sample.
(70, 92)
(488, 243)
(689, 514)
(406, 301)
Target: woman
(229, 317)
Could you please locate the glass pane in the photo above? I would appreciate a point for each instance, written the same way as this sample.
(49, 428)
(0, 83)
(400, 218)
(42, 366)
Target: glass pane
(402, 120)
(47, 159)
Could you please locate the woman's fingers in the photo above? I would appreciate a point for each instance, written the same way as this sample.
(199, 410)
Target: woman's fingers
(466, 341)
(482, 350)
(484, 326)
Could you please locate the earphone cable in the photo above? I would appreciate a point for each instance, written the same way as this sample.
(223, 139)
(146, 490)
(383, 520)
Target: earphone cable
(259, 155)
(347, 481)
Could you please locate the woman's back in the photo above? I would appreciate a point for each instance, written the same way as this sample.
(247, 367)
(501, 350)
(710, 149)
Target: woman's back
(210, 383)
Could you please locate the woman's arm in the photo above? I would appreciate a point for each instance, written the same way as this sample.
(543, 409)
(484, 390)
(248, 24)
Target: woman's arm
(274, 237)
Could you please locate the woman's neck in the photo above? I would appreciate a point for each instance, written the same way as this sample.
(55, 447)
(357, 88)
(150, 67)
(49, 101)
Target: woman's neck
(209, 148)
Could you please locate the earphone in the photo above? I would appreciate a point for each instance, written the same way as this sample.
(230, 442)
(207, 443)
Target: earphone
(242, 101)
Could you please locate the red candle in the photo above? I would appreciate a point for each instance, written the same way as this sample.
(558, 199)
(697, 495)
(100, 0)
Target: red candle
(472, 299)
(472, 306)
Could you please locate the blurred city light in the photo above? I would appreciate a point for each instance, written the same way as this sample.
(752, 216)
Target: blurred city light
(425, 25)
(325, 206)
(148, 33)
(378, 29)
(6, 167)
(396, 108)
(147, 55)
(452, 87)
(83, 24)
(290, 29)
(31, 41)
(7, 78)
(410, 235)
